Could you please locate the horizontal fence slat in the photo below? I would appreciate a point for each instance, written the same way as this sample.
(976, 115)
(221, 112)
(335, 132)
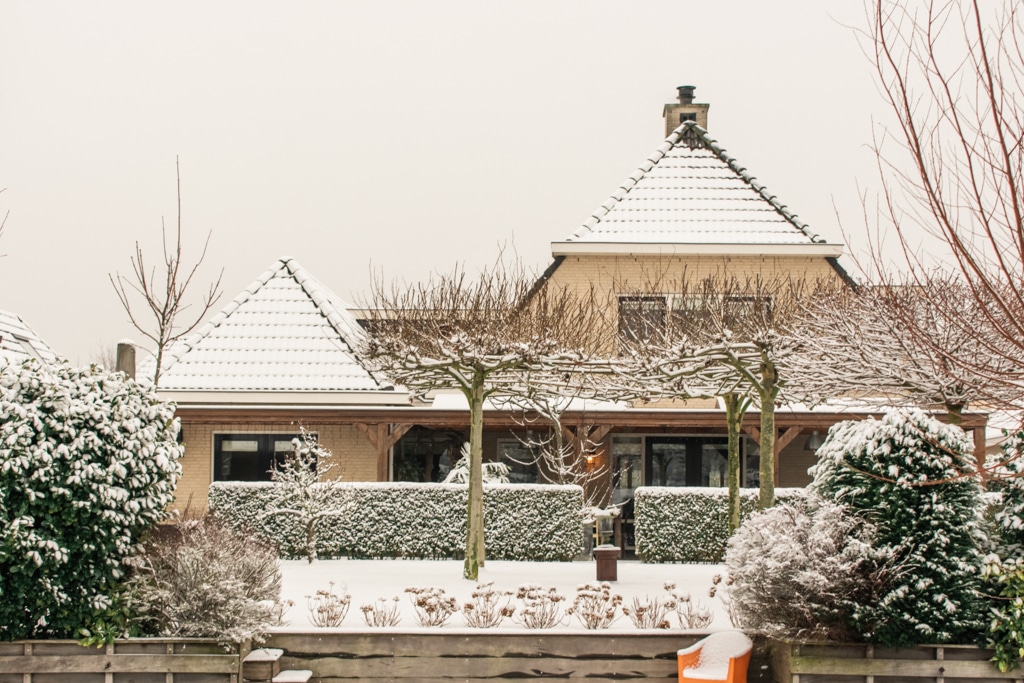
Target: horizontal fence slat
(413, 668)
(128, 663)
(935, 668)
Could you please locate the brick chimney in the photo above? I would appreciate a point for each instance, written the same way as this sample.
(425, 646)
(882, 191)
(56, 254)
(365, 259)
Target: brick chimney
(685, 110)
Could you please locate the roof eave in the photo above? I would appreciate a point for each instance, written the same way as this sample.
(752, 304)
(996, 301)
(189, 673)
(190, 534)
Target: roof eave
(293, 398)
(820, 249)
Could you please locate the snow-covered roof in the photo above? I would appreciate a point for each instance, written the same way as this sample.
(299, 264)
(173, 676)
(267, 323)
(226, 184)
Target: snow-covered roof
(19, 342)
(690, 196)
(285, 333)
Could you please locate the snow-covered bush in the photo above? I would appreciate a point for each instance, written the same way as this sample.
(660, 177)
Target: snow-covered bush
(1004, 568)
(382, 613)
(803, 571)
(487, 606)
(692, 614)
(206, 580)
(541, 607)
(433, 607)
(595, 605)
(88, 462)
(648, 612)
(398, 519)
(328, 609)
(689, 524)
(913, 478)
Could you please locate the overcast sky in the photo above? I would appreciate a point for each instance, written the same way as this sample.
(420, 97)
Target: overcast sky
(403, 137)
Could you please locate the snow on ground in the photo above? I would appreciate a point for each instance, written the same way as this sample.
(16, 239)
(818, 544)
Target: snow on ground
(367, 580)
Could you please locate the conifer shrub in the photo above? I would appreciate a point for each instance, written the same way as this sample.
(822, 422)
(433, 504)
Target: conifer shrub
(913, 479)
(88, 463)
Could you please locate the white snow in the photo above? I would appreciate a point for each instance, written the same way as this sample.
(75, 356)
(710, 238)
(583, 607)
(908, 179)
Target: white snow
(367, 580)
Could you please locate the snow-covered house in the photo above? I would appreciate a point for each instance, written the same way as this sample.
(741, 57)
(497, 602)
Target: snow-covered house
(282, 354)
(19, 342)
(278, 357)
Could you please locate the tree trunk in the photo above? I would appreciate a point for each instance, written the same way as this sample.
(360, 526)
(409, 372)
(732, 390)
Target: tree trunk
(955, 413)
(475, 554)
(768, 391)
(311, 541)
(735, 405)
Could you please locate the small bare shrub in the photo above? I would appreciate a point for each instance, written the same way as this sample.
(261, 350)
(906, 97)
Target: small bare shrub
(206, 580)
(382, 613)
(327, 610)
(595, 605)
(649, 612)
(540, 607)
(486, 609)
(692, 614)
(433, 606)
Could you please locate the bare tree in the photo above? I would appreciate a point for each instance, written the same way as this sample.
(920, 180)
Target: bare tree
(163, 296)
(304, 492)
(903, 345)
(952, 168)
(495, 335)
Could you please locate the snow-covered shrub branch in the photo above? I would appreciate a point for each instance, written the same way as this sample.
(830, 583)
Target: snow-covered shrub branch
(689, 524)
(524, 522)
(88, 462)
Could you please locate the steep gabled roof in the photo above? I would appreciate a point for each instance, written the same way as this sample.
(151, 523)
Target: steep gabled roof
(692, 197)
(285, 333)
(19, 342)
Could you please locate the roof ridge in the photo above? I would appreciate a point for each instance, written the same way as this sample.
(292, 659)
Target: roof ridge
(691, 132)
(330, 305)
(742, 172)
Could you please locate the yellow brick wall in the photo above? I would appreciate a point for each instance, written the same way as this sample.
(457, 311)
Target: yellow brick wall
(794, 461)
(354, 456)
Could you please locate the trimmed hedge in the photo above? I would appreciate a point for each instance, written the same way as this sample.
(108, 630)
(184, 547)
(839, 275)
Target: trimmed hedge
(690, 524)
(522, 522)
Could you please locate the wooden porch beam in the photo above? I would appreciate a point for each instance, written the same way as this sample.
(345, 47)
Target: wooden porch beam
(382, 437)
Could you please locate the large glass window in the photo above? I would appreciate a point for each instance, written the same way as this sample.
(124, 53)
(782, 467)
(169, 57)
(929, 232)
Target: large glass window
(249, 457)
(427, 455)
(521, 460)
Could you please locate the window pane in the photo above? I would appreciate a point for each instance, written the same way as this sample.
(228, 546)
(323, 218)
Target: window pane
(641, 317)
(240, 446)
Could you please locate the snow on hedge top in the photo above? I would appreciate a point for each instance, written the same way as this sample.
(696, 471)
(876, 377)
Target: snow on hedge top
(690, 191)
(285, 332)
(19, 342)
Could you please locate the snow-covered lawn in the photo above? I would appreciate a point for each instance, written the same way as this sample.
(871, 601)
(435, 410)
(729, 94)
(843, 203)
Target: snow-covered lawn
(368, 580)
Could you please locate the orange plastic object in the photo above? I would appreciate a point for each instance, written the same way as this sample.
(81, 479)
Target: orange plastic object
(690, 658)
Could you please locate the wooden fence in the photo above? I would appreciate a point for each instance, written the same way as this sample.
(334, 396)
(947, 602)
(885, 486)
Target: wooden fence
(475, 656)
(850, 663)
(143, 660)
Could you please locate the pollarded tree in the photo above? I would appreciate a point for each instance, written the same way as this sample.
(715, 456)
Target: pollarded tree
(88, 463)
(912, 478)
(495, 335)
(952, 167)
(736, 339)
(907, 344)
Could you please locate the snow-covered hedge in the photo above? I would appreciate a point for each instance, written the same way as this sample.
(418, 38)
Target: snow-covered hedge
(88, 461)
(689, 524)
(522, 522)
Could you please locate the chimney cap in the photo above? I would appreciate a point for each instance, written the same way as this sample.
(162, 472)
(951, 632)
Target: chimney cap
(686, 93)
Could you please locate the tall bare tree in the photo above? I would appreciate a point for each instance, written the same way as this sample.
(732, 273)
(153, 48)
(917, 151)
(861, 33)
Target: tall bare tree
(952, 167)
(160, 316)
(497, 334)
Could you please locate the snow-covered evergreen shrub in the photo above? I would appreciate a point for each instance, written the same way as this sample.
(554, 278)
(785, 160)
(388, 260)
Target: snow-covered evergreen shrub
(913, 478)
(88, 462)
(1004, 568)
(206, 580)
(689, 524)
(803, 571)
(399, 519)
